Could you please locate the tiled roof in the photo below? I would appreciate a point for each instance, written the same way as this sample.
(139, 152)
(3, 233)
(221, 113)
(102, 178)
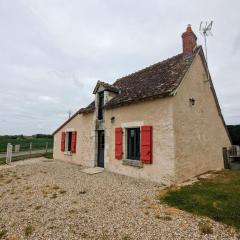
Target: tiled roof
(88, 109)
(158, 80)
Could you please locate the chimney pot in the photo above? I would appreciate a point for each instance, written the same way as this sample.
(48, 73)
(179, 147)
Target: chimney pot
(189, 41)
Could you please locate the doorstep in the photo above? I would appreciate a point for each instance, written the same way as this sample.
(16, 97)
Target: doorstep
(93, 170)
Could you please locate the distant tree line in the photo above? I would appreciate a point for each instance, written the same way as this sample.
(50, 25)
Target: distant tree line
(21, 136)
(234, 131)
(43, 136)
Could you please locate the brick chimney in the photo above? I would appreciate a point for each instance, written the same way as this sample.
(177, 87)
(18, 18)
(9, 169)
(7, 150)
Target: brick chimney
(189, 41)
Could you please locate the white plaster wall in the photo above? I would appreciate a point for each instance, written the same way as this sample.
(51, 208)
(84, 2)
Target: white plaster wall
(157, 113)
(85, 155)
(199, 132)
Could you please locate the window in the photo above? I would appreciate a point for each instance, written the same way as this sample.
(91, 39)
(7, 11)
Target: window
(100, 105)
(69, 141)
(133, 143)
(68, 146)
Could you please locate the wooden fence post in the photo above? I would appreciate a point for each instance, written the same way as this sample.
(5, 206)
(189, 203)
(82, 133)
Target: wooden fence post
(46, 147)
(30, 149)
(226, 158)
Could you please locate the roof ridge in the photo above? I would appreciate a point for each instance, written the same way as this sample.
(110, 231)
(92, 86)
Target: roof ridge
(99, 81)
(108, 86)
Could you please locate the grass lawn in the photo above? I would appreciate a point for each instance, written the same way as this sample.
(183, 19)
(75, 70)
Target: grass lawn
(217, 198)
(48, 155)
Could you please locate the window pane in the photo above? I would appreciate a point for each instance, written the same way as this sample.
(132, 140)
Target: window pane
(133, 143)
(69, 141)
(100, 105)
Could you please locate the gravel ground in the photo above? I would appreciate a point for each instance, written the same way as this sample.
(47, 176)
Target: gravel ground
(42, 199)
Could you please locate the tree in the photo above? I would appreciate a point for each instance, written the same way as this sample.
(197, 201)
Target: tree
(234, 131)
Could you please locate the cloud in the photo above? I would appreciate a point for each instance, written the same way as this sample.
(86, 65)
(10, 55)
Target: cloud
(53, 52)
(48, 99)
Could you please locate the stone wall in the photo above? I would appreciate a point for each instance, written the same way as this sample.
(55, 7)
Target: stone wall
(199, 132)
(85, 154)
(157, 113)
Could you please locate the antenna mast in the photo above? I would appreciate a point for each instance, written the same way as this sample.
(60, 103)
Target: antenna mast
(69, 113)
(205, 30)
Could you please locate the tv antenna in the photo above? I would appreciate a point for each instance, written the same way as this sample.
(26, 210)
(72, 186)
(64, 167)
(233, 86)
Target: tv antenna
(69, 113)
(205, 30)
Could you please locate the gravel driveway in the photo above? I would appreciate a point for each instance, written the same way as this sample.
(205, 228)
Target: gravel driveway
(42, 199)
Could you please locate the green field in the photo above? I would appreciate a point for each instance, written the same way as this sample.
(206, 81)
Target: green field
(24, 141)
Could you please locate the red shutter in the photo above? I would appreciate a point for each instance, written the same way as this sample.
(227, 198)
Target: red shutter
(74, 142)
(146, 144)
(118, 143)
(63, 142)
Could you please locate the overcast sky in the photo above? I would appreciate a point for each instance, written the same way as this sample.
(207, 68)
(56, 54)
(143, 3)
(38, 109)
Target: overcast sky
(52, 52)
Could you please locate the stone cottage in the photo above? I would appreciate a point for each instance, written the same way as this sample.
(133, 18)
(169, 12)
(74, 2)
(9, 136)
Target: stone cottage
(162, 123)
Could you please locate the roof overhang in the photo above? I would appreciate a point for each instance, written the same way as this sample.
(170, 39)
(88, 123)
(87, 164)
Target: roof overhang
(105, 87)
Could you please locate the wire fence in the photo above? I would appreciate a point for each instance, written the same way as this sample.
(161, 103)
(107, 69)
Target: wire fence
(19, 151)
(31, 146)
(37, 143)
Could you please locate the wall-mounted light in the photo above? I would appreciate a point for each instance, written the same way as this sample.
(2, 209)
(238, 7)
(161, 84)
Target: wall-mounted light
(192, 101)
(112, 119)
